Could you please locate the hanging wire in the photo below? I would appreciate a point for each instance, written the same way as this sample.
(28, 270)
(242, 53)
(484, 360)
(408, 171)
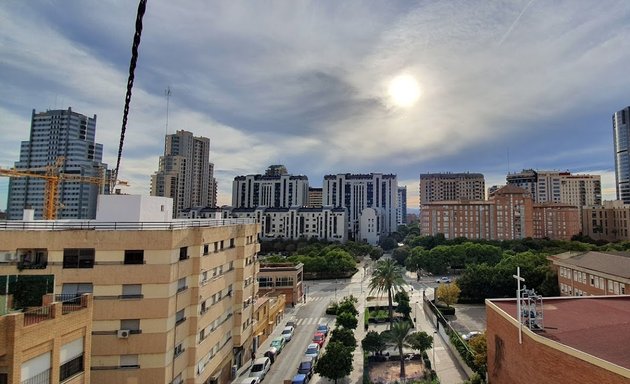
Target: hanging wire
(132, 67)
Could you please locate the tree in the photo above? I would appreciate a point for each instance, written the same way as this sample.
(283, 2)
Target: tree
(336, 362)
(402, 298)
(448, 293)
(387, 277)
(420, 341)
(373, 342)
(346, 320)
(376, 253)
(345, 336)
(348, 305)
(398, 336)
(401, 254)
(480, 348)
(389, 243)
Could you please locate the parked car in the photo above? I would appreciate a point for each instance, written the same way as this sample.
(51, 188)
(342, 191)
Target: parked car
(250, 380)
(291, 324)
(278, 343)
(299, 379)
(319, 339)
(470, 335)
(323, 328)
(287, 333)
(443, 279)
(312, 351)
(271, 353)
(306, 366)
(260, 367)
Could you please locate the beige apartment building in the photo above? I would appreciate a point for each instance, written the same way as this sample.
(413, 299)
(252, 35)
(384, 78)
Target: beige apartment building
(49, 344)
(592, 273)
(451, 186)
(509, 214)
(268, 312)
(173, 299)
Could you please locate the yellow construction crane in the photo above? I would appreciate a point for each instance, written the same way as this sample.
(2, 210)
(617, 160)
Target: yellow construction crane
(53, 177)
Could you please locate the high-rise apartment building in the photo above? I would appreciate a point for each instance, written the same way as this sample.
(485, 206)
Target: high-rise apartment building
(559, 187)
(173, 299)
(273, 191)
(401, 213)
(63, 139)
(621, 140)
(356, 192)
(185, 172)
(314, 197)
(451, 186)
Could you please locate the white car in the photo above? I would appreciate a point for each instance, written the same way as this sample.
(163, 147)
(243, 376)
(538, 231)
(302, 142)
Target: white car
(312, 351)
(470, 335)
(443, 279)
(260, 367)
(250, 380)
(287, 333)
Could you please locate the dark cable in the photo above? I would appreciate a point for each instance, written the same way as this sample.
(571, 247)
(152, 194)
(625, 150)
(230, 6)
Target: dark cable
(132, 67)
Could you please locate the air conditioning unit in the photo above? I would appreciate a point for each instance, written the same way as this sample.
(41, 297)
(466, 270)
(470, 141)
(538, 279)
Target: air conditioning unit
(123, 333)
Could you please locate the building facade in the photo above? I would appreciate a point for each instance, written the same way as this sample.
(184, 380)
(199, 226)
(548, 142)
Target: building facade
(49, 344)
(65, 141)
(401, 213)
(274, 190)
(314, 197)
(325, 223)
(609, 221)
(185, 173)
(592, 273)
(173, 299)
(282, 278)
(583, 340)
(268, 313)
(559, 187)
(355, 192)
(510, 214)
(451, 186)
(621, 140)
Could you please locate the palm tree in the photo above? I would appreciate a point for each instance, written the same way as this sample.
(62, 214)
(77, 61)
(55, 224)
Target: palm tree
(398, 336)
(387, 277)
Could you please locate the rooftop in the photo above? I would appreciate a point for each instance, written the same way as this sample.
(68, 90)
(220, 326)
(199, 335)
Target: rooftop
(64, 225)
(598, 326)
(616, 264)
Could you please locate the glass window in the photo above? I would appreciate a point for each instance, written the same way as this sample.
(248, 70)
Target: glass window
(134, 256)
(183, 253)
(132, 291)
(179, 317)
(78, 258)
(129, 361)
(130, 324)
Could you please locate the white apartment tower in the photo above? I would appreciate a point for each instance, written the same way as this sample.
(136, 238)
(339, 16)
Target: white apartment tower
(63, 139)
(451, 186)
(185, 173)
(401, 213)
(356, 192)
(270, 190)
(559, 187)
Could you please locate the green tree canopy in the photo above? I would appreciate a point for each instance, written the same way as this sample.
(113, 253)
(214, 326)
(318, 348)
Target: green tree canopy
(336, 362)
(373, 342)
(347, 320)
(344, 336)
(398, 336)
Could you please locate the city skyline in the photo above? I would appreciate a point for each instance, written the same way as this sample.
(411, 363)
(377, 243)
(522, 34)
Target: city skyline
(503, 86)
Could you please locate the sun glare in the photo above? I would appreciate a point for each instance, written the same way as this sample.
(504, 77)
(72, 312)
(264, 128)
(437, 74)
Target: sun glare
(404, 90)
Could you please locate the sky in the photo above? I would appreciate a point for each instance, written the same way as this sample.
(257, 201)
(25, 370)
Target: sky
(497, 86)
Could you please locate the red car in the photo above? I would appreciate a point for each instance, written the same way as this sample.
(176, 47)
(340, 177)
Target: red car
(319, 339)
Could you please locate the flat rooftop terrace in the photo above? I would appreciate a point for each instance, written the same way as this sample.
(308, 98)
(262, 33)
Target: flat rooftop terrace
(67, 225)
(599, 326)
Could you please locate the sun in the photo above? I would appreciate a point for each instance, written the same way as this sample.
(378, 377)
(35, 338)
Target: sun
(404, 90)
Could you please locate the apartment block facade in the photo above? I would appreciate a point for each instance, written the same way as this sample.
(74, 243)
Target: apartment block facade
(65, 140)
(401, 213)
(282, 278)
(48, 344)
(314, 197)
(609, 221)
(621, 140)
(451, 186)
(592, 273)
(173, 299)
(356, 192)
(509, 214)
(185, 173)
(325, 223)
(273, 190)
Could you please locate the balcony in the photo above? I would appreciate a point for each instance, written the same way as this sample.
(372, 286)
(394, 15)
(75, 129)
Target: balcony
(32, 258)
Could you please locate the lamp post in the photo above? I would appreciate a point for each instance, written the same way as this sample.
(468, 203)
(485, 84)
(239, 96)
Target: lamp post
(434, 362)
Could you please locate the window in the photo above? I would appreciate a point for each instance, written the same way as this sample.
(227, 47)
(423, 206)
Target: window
(132, 291)
(132, 325)
(72, 290)
(181, 285)
(265, 282)
(134, 256)
(183, 253)
(78, 258)
(179, 349)
(206, 249)
(179, 317)
(231, 243)
(129, 361)
(285, 281)
(71, 359)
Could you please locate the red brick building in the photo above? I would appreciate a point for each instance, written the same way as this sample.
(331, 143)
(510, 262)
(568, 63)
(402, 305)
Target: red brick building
(592, 273)
(584, 340)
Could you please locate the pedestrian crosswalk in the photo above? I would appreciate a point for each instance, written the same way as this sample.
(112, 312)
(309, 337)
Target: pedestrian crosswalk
(312, 320)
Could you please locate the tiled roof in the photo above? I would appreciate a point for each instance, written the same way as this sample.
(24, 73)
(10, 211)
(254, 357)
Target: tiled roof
(616, 264)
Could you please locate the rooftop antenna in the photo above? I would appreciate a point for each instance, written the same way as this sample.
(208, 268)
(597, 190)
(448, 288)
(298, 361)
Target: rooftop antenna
(508, 160)
(167, 93)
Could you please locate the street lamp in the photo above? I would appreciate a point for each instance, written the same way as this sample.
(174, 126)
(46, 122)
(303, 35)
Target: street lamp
(434, 362)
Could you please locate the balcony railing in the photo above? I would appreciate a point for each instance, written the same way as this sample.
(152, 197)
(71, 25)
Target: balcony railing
(41, 378)
(58, 225)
